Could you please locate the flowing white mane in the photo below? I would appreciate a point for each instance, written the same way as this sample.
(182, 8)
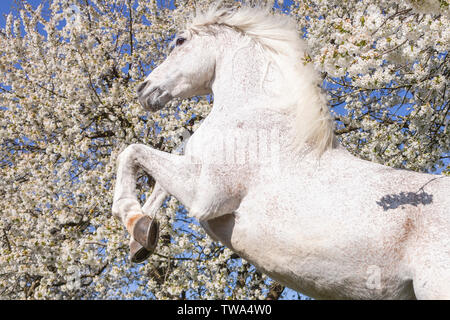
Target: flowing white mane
(277, 34)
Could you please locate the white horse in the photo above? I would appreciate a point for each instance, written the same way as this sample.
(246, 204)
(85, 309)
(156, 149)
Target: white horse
(291, 200)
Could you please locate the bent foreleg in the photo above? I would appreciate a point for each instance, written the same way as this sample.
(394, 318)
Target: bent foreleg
(174, 173)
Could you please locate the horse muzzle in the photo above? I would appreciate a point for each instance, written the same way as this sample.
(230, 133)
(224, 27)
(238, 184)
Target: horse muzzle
(152, 98)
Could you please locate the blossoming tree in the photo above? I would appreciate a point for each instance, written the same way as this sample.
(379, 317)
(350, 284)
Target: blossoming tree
(68, 107)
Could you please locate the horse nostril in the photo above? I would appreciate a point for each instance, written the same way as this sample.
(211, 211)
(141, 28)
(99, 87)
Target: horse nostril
(141, 87)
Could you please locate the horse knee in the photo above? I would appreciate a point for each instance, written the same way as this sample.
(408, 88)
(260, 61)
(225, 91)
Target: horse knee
(129, 153)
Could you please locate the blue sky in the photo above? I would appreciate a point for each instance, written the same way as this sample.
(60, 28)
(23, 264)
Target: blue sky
(7, 5)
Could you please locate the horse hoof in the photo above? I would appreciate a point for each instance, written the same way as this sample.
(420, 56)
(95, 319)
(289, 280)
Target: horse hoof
(145, 232)
(138, 253)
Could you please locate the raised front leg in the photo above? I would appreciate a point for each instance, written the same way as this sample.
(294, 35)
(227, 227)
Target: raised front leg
(206, 192)
(174, 173)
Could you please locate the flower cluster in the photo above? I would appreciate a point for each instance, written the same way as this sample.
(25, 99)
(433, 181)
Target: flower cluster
(386, 70)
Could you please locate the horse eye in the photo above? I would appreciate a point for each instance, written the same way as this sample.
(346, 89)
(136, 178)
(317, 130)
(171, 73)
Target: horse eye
(180, 41)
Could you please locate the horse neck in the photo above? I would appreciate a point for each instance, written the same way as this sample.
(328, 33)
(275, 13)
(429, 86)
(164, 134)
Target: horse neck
(249, 83)
(245, 78)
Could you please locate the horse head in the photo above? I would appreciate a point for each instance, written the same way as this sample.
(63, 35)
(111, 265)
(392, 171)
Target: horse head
(188, 71)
